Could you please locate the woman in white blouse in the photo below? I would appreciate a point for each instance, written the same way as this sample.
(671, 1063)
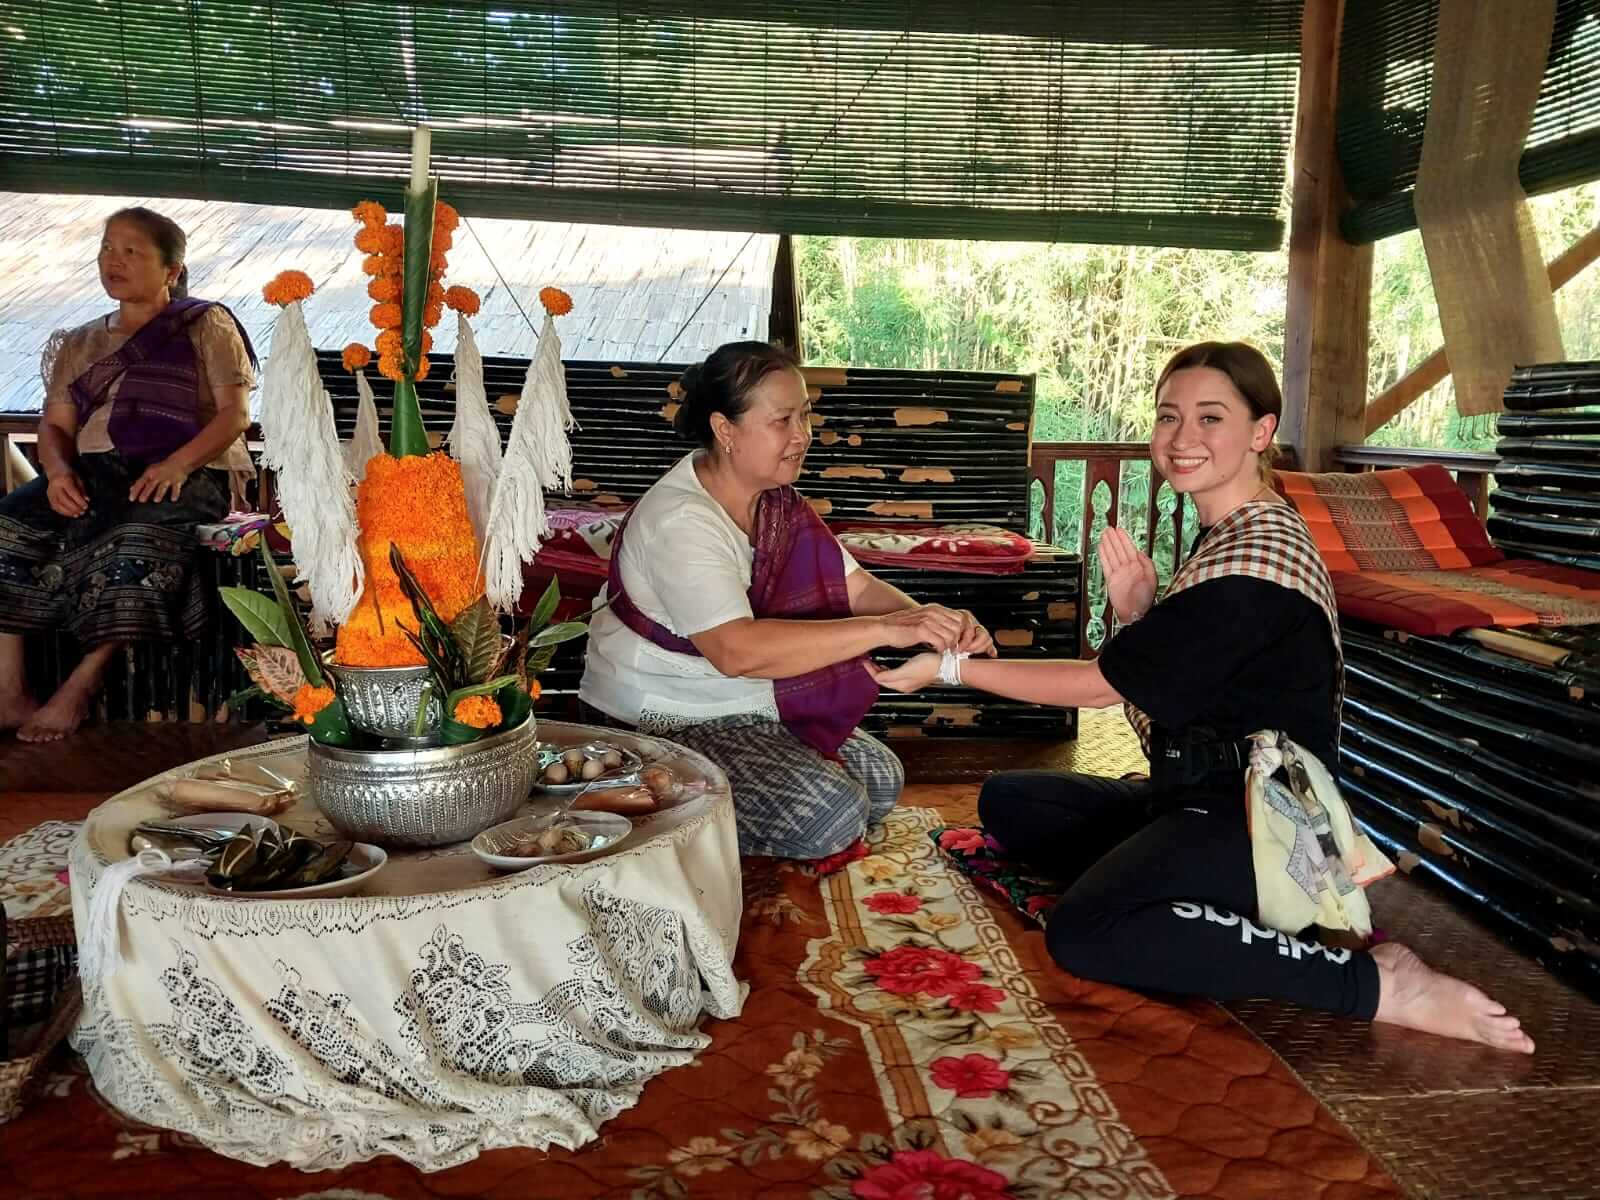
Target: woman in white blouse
(738, 625)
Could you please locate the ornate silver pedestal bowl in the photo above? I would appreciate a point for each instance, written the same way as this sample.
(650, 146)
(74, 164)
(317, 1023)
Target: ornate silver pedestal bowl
(429, 797)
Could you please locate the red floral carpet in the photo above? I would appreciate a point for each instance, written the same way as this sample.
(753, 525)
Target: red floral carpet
(904, 1039)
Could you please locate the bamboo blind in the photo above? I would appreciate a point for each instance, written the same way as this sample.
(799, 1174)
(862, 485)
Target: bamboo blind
(1135, 121)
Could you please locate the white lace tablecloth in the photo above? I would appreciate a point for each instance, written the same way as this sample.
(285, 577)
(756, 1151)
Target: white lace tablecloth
(445, 1010)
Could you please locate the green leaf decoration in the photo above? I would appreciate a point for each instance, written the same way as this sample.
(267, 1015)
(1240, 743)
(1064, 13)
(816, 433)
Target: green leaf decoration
(244, 695)
(331, 726)
(433, 637)
(419, 723)
(476, 631)
(429, 650)
(275, 669)
(539, 660)
(546, 607)
(515, 705)
(406, 433)
(454, 733)
(260, 615)
(297, 635)
(479, 689)
(563, 632)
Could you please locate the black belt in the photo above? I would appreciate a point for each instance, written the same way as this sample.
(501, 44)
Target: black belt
(1195, 756)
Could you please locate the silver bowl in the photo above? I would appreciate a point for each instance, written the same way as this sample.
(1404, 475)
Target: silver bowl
(383, 700)
(425, 797)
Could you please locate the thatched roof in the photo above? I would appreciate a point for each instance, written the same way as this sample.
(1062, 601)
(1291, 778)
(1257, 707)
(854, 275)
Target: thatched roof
(632, 288)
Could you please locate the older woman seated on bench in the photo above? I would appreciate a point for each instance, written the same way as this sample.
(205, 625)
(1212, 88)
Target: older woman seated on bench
(739, 626)
(144, 417)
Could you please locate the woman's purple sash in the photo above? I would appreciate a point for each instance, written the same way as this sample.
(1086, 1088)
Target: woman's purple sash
(797, 574)
(157, 408)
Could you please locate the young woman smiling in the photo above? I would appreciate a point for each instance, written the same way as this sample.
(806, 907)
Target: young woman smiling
(1161, 883)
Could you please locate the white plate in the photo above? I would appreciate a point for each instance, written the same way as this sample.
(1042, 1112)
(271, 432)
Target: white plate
(619, 776)
(612, 827)
(366, 858)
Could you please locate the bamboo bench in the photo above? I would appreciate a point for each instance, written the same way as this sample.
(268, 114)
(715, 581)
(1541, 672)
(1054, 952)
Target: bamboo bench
(890, 446)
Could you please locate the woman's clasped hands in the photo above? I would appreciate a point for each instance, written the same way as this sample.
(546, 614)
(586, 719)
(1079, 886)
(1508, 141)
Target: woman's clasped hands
(929, 625)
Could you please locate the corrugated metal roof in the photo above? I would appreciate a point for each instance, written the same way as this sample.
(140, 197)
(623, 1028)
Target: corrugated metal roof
(632, 288)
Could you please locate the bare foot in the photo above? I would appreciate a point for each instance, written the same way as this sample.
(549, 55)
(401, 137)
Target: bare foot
(17, 711)
(1414, 995)
(63, 714)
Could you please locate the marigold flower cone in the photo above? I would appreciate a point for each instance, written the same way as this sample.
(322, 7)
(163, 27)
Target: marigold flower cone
(419, 503)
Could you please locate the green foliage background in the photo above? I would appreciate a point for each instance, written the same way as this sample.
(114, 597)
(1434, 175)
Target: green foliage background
(1095, 323)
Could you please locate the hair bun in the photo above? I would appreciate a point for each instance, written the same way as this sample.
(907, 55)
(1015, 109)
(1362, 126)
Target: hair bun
(691, 421)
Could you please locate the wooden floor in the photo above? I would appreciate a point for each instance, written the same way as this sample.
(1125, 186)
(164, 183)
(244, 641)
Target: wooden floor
(1447, 1120)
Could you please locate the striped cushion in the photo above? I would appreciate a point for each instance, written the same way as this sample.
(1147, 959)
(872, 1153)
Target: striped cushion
(1415, 519)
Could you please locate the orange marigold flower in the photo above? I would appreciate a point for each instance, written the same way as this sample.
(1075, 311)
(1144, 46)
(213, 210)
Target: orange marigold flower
(309, 701)
(480, 712)
(435, 293)
(427, 341)
(394, 240)
(432, 312)
(556, 302)
(463, 300)
(444, 216)
(422, 370)
(391, 341)
(437, 263)
(369, 239)
(385, 289)
(392, 365)
(534, 689)
(356, 356)
(419, 503)
(385, 316)
(370, 212)
(443, 239)
(287, 287)
(382, 265)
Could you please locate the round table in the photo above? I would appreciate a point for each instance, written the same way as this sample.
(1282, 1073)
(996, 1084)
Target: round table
(444, 1010)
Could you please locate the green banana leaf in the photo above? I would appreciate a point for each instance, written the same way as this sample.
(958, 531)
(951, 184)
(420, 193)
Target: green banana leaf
(297, 640)
(406, 432)
(260, 615)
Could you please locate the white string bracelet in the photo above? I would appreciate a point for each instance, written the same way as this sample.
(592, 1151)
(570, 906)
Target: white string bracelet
(950, 667)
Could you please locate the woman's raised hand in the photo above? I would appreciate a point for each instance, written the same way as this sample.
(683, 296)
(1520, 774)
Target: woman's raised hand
(925, 625)
(1130, 575)
(65, 493)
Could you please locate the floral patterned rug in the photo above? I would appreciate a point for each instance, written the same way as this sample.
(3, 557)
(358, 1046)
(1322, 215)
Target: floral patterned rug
(904, 1039)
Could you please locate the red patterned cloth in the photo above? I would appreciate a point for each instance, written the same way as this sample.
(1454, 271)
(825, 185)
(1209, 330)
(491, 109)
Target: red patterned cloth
(970, 549)
(1405, 550)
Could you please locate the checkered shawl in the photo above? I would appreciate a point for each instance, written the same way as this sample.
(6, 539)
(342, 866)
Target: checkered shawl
(1263, 539)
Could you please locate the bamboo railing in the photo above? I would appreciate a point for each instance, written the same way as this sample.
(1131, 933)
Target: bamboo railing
(1073, 506)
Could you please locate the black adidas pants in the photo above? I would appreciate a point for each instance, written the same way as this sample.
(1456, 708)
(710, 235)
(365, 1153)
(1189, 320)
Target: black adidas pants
(1160, 893)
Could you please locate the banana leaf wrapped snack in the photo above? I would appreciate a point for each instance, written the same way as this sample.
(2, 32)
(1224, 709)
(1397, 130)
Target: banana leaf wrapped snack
(268, 858)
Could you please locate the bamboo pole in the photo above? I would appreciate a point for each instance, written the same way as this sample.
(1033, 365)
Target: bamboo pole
(1432, 370)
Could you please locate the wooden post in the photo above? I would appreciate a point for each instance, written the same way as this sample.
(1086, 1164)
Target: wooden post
(1330, 281)
(783, 321)
(1431, 371)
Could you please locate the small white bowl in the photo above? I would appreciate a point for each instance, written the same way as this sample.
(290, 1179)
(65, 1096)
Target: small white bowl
(606, 831)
